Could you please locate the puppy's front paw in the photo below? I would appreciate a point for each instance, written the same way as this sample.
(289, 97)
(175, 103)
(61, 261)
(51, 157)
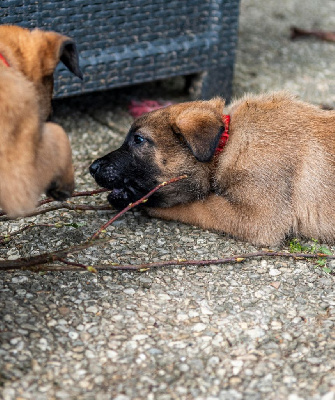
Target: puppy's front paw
(153, 212)
(56, 160)
(59, 193)
(164, 213)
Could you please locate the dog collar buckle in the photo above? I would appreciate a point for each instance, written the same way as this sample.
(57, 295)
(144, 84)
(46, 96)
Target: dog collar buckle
(4, 61)
(225, 135)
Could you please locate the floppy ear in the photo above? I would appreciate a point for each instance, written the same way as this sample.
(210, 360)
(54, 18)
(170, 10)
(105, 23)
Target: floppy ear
(56, 47)
(201, 129)
(68, 54)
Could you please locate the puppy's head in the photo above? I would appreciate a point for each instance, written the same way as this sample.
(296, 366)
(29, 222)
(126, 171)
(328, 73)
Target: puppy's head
(36, 54)
(177, 140)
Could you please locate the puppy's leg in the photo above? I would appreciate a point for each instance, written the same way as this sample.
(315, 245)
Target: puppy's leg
(18, 192)
(55, 162)
(49, 171)
(251, 223)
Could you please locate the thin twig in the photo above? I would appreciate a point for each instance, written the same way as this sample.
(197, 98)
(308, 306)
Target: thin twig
(88, 268)
(71, 207)
(179, 262)
(297, 33)
(232, 259)
(76, 194)
(136, 203)
(35, 262)
(61, 205)
(45, 258)
(6, 238)
(60, 255)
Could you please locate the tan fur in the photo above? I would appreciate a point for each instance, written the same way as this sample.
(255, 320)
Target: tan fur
(35, 54)
(275, 177)
(33, 154)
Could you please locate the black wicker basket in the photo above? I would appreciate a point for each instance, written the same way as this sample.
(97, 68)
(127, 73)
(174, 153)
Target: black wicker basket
(124, 42)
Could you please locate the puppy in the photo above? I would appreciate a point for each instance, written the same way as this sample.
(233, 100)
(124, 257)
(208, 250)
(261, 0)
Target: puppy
(34, 156)
(261, 170)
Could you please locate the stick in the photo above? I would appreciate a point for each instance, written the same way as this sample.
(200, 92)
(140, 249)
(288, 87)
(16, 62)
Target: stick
(34, 263)
(297, 33)
(6, 238)
(132, 205)
(45, 258)
(63, 204)
(179, 263)
(60, 255)
(68, 206)
(76, 194)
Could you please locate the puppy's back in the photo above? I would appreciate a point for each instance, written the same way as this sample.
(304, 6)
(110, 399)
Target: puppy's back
(291, 143)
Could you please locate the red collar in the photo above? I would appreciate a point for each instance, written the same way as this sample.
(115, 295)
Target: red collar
(225, 135)
(2, 58)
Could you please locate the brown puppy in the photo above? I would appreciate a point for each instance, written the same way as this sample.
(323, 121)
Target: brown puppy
(36, 54)
(34, 156)
(274, 177)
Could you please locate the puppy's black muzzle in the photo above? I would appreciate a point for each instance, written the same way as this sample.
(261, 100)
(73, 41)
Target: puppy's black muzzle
(106, 171)
(111, 173)
(126, 177)
(95, 168)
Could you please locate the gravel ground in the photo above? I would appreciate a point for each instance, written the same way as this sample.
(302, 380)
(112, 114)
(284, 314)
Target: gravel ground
(262, 329)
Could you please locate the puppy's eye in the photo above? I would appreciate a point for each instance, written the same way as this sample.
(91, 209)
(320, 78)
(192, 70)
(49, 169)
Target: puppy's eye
(138, 139)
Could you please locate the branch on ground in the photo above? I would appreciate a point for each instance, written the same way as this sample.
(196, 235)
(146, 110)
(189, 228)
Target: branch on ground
(44, 262)
(297, 33)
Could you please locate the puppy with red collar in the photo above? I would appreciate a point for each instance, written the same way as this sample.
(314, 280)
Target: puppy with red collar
(35, 156)
(262, 171)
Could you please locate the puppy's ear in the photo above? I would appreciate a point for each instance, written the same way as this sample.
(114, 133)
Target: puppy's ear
(68, 54)
(55, 47)
(201, 129)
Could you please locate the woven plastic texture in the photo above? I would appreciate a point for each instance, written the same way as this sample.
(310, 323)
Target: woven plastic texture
(124, 42)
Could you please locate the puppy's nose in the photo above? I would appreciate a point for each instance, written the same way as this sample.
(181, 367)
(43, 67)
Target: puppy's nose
(94, 168)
